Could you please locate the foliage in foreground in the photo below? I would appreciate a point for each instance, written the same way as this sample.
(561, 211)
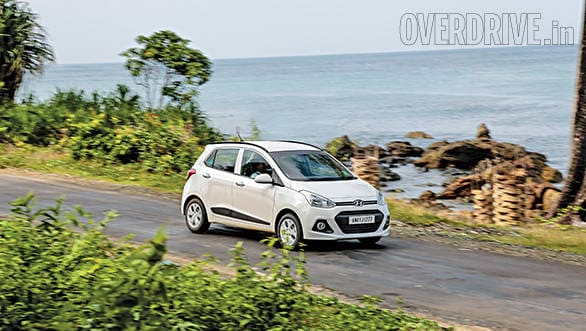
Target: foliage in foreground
(59, 271)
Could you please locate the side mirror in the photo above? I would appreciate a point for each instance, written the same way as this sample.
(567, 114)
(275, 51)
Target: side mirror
(263, 179)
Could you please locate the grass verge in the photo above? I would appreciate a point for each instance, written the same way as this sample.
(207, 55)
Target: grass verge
(536, 235)
(57, 160)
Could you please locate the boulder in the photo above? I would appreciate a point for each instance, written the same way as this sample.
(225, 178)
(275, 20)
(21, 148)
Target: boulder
(463, 155)
(503, 150)
(375, 150)
(341, 148)
(459, 188)
(535, 167)
(467, 153)
(549, 197)
(483, 133)
(403, 149)
(418, 135)
(387, 175)
(427, 196)
(533, 163)
(395, 190)
(551, 175)
(435, 146)
(394, 161)
(540, 196)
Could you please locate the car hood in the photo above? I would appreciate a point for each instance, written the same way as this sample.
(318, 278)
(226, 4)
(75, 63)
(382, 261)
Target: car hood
(339, 190)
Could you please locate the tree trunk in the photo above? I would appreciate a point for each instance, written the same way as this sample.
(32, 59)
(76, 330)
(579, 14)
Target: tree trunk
(574, 192)
(11, 82)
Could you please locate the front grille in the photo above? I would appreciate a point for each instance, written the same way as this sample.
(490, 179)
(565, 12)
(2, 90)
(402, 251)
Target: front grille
(343, 218)
(351, 203)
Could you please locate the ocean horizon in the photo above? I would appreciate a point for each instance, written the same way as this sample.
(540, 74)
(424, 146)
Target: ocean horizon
(523, 94)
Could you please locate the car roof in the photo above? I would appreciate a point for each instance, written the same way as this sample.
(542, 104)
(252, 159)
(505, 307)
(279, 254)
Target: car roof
(274, 145)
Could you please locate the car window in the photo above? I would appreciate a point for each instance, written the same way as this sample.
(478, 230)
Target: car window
(310, 166)
(253, 164)
(224, 159)
(210, 160)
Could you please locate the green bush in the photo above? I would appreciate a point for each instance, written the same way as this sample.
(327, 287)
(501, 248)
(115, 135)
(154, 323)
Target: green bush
(112, 129)
(60, 272)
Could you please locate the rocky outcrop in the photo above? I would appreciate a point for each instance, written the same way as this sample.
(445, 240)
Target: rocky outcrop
(436, 146)
(395, 161)
(418, 135)
(501, 150)
(536, 167)
(374, 150)
(537, 195)
(403, 149)
(551, 175)
(427, 196)
(467, 154)
(341, 148)
(462, 154)
(387, 175)
(460, 188)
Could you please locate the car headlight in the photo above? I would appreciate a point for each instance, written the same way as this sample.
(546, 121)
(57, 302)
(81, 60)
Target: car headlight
(380, 199)
(316, 200)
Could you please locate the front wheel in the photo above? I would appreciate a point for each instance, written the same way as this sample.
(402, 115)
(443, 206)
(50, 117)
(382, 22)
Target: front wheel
(369, 241)
(289, 231)
(196, 217)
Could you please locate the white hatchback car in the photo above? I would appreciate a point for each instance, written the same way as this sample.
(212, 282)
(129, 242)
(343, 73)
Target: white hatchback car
(292, 189)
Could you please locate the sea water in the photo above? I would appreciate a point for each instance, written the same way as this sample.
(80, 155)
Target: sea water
(523, 94)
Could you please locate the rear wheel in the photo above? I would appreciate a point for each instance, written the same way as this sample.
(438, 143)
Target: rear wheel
(196, 217)
(289, 231)
(369, 241)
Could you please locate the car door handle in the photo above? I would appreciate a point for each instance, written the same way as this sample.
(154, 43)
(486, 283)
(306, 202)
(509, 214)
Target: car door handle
(240, 184)
(206, 175)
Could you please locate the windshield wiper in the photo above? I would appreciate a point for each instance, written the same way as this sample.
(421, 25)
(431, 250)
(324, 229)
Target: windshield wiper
(330, 179)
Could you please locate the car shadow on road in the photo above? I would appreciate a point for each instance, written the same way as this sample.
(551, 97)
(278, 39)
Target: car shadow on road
(309, 246)
(330, 246)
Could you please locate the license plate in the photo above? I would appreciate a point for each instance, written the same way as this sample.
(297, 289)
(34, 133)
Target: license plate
(364, 219)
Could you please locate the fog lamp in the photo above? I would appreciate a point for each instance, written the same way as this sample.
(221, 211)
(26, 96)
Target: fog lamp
(322, 226)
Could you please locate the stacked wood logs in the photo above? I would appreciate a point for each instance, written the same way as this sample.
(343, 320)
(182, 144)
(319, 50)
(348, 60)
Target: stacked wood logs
(483, 205)
(503, 197)
(365, 164)
(508, 198)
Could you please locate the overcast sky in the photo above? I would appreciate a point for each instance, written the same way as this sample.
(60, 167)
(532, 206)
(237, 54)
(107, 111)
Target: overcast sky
(84, 31)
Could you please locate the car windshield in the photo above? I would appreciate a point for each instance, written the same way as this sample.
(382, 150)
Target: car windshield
(311, 166)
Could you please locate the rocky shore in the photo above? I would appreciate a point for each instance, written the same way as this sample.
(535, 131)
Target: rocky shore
(472, 164)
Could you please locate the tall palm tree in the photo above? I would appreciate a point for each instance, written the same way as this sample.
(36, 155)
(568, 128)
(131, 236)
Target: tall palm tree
(574, 192)
(23, 46)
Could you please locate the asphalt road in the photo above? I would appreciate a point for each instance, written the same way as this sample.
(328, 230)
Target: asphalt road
(468, 287)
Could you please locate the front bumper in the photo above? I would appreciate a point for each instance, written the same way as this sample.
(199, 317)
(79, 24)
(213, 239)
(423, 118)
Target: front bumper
(337, 221)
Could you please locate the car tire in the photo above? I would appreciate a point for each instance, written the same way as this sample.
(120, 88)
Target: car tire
(196, 217)
(289, 231)
(371, 241)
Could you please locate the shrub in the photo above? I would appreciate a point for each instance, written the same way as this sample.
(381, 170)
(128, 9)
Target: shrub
(59, 271)
(111, 129)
